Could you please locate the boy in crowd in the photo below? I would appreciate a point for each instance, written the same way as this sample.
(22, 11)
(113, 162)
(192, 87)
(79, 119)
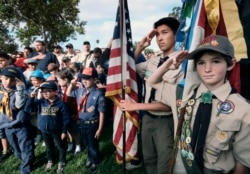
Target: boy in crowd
(91, 108)
(53, 120)
(215, 130)
(12, 117)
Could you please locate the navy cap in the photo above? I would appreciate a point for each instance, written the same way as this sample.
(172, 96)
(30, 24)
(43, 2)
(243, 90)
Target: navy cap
(11, 72)
(49, 85)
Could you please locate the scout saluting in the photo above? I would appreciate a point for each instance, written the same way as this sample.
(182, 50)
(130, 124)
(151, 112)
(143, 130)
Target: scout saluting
(216, 141)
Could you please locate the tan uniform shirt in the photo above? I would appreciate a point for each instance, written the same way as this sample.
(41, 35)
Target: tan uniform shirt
(228, 134)
(145, 69)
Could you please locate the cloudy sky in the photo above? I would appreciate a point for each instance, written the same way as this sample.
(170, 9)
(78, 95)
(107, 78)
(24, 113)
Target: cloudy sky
(100, 16)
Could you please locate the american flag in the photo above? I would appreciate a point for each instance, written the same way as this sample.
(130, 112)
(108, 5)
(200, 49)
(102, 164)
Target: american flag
(122, 75)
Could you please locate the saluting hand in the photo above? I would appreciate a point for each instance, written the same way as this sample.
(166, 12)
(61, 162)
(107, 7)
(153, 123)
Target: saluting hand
(175, 59)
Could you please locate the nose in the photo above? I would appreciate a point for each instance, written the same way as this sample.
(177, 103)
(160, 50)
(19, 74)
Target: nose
(208, 67)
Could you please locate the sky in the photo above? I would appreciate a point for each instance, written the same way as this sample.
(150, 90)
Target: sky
(100, 16)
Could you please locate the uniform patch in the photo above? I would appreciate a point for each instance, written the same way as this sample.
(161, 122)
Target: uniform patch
(226, 107)
(91, 108)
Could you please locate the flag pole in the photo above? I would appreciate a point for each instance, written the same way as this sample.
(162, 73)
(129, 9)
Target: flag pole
(123, 86)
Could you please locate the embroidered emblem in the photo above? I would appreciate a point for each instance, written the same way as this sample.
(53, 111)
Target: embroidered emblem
(188, 140)
(226, 107)
(189, 162)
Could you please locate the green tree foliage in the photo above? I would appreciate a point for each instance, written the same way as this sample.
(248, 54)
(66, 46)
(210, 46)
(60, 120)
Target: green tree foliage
(6, 41)
(52, 20)
(176, 13)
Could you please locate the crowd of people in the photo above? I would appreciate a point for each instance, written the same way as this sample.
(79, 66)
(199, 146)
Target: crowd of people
(62, 97)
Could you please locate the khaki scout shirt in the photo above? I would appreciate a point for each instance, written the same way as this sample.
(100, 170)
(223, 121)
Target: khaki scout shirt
(145, 69)
(228, 134)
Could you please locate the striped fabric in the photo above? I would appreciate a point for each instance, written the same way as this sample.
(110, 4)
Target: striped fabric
(122, 76)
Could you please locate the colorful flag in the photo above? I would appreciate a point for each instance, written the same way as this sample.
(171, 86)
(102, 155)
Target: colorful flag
(215, 17)
(122, 76)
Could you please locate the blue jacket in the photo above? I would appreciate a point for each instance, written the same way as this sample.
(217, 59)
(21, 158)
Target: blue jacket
(51, 117)
(17, 100)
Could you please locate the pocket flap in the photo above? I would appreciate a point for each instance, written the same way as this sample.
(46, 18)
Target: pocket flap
(228, 124)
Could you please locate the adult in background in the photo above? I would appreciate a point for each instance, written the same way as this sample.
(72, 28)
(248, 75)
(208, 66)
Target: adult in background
(42, 56)
(58, 52)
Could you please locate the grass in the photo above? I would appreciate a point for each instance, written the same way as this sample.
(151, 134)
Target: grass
(74, 165)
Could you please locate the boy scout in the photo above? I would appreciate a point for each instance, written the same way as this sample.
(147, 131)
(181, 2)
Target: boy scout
(91, 108)
(216, 141)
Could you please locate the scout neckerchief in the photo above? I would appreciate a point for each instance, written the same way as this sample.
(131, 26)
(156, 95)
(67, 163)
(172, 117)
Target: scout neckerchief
(83, 102)
(5, 104)
(153, 90)
(194, 163)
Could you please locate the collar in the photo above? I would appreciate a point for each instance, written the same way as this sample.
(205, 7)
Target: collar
(221, 93)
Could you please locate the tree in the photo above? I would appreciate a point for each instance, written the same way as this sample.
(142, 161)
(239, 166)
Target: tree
(6, 41)
(176, 13)
(52, 20)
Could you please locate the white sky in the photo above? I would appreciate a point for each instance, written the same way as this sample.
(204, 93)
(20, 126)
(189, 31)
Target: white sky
(100, 16)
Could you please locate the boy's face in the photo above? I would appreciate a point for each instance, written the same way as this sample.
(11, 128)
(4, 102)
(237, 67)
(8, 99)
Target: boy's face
(88, 83)
(8, 82)
(35, 81)
(48, 93)
(4, 62)
(165, 38)
(212, 69)
(62, 82)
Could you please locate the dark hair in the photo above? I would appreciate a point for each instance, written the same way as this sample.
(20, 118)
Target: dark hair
(41, 42)
(5, 55)
(173, 23)
(28, 48)
(228, 59)
(99, 63)
(66, 74)
(76, 65)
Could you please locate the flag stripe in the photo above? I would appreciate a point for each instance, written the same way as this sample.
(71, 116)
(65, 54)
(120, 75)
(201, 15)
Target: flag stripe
(122, 77)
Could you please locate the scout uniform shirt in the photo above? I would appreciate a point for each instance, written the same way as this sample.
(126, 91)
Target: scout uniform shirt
(145, 69)
(228, 134)
(95, 103)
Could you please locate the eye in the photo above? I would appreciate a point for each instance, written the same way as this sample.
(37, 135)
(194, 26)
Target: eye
(200, 63)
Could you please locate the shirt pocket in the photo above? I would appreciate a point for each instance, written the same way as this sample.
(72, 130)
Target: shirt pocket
(222, 140)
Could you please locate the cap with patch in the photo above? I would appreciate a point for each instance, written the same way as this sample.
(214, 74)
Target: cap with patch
(215, 43)
(69, 45)
(88, 73)
(11, 72)
(49, 85)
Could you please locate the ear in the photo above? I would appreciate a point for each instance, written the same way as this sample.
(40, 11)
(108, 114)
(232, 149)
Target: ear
(232, 66)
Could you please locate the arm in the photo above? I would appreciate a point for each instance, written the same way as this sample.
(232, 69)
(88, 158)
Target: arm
(20, 94)
(127, 105)
(145, 42)
(101, 121)
(240, 169)
(174, 61)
